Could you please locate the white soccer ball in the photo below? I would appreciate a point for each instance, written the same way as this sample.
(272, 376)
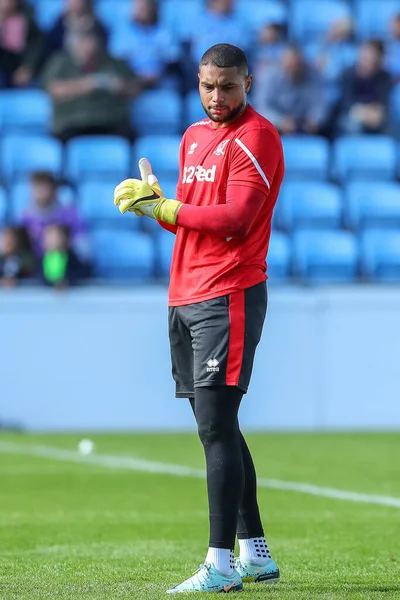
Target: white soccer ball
(85, 447)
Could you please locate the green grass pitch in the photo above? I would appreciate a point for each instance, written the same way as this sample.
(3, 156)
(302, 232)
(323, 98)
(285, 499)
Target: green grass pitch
(76, 530)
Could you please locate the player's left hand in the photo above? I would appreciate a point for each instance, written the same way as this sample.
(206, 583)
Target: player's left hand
(144, 196)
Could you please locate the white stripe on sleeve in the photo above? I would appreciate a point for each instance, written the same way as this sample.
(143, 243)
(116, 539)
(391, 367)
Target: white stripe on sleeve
(254, 161)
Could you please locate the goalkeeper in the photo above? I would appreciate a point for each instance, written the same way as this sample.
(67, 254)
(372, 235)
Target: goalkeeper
(231, 169)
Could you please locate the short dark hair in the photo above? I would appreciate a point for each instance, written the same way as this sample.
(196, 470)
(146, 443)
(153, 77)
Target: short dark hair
(377, 45)
(43, 177)
(226, 56)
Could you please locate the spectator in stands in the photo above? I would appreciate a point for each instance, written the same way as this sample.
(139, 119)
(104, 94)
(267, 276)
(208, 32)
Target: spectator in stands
(60, 265)
(17, 260)
(292, 96)
(79, 16)
(392, 50)
(21, 44)
(91, 90)
(365, 93)
(146, 45)
(45, 209)
(335, 52)
(217, 22)
(270, 47)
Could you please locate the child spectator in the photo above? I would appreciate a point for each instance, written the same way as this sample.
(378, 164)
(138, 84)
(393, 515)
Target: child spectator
(21, 45)
(46, 209)
(17, 260)
(61, 266)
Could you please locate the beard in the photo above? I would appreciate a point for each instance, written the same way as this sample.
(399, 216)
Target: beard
(229, 116)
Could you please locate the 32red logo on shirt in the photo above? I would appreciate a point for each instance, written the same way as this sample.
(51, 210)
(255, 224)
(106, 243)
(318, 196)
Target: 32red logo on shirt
(199, 173)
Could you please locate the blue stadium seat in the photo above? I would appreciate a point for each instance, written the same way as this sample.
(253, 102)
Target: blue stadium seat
(373, 17)
(162, 151)
(180, 16)
(308, 21)
(20, 197)
(325, 256)
(256, 13)
(372, 204)
(165, 244)
(105, 155)
(380, 255)
(96, 205)
(168, 185)
(306, 157)
(336, 58)
(113, 13)
(310, 204)
(157, 112)
(47, 12)
(193, 109)
(3, 207)
(364, 156)
(278, 259)
(276, 215)
(122, 254)
(22, 154)
(27, 110)
(395, 109)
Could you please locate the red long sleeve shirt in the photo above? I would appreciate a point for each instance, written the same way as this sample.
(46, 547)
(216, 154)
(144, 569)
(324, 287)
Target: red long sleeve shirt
(229, 182)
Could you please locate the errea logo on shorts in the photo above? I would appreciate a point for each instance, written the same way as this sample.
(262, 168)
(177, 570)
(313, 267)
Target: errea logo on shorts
(199, 173)
(212, 365)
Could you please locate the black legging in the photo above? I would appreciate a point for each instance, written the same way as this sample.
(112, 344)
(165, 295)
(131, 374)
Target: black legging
(231, 477)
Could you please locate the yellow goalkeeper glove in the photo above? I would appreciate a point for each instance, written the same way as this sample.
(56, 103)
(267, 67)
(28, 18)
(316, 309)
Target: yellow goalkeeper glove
(144, 196)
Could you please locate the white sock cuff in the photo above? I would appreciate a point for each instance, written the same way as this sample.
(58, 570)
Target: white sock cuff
(222, 558)
(254, 549)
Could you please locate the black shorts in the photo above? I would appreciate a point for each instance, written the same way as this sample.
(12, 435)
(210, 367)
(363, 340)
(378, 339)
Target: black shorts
(214, 342)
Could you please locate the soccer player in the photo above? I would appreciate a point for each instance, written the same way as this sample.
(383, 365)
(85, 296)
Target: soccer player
(231, 169)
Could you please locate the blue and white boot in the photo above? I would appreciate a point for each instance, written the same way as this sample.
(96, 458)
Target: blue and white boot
(209, 579)
(254, 572)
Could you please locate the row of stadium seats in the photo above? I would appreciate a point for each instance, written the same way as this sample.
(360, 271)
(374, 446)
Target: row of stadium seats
(30, 110)
(372, 17)
(336, 256)
(177, 14)
(322, 205)
(86, 156)
(314, 205)
(326, 256)
(307, 157)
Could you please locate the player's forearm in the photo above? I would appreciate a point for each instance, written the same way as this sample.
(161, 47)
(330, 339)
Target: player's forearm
(233, 219)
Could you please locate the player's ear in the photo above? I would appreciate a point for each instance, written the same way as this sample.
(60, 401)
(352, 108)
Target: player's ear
(249, 80)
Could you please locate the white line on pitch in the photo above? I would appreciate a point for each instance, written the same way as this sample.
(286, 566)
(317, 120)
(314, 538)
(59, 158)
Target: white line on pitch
(147, 466)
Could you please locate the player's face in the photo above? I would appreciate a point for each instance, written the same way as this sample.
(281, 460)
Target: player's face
(223, 93)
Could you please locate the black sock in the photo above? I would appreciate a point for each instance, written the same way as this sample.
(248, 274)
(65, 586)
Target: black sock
(249, 520)
(216, 409)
